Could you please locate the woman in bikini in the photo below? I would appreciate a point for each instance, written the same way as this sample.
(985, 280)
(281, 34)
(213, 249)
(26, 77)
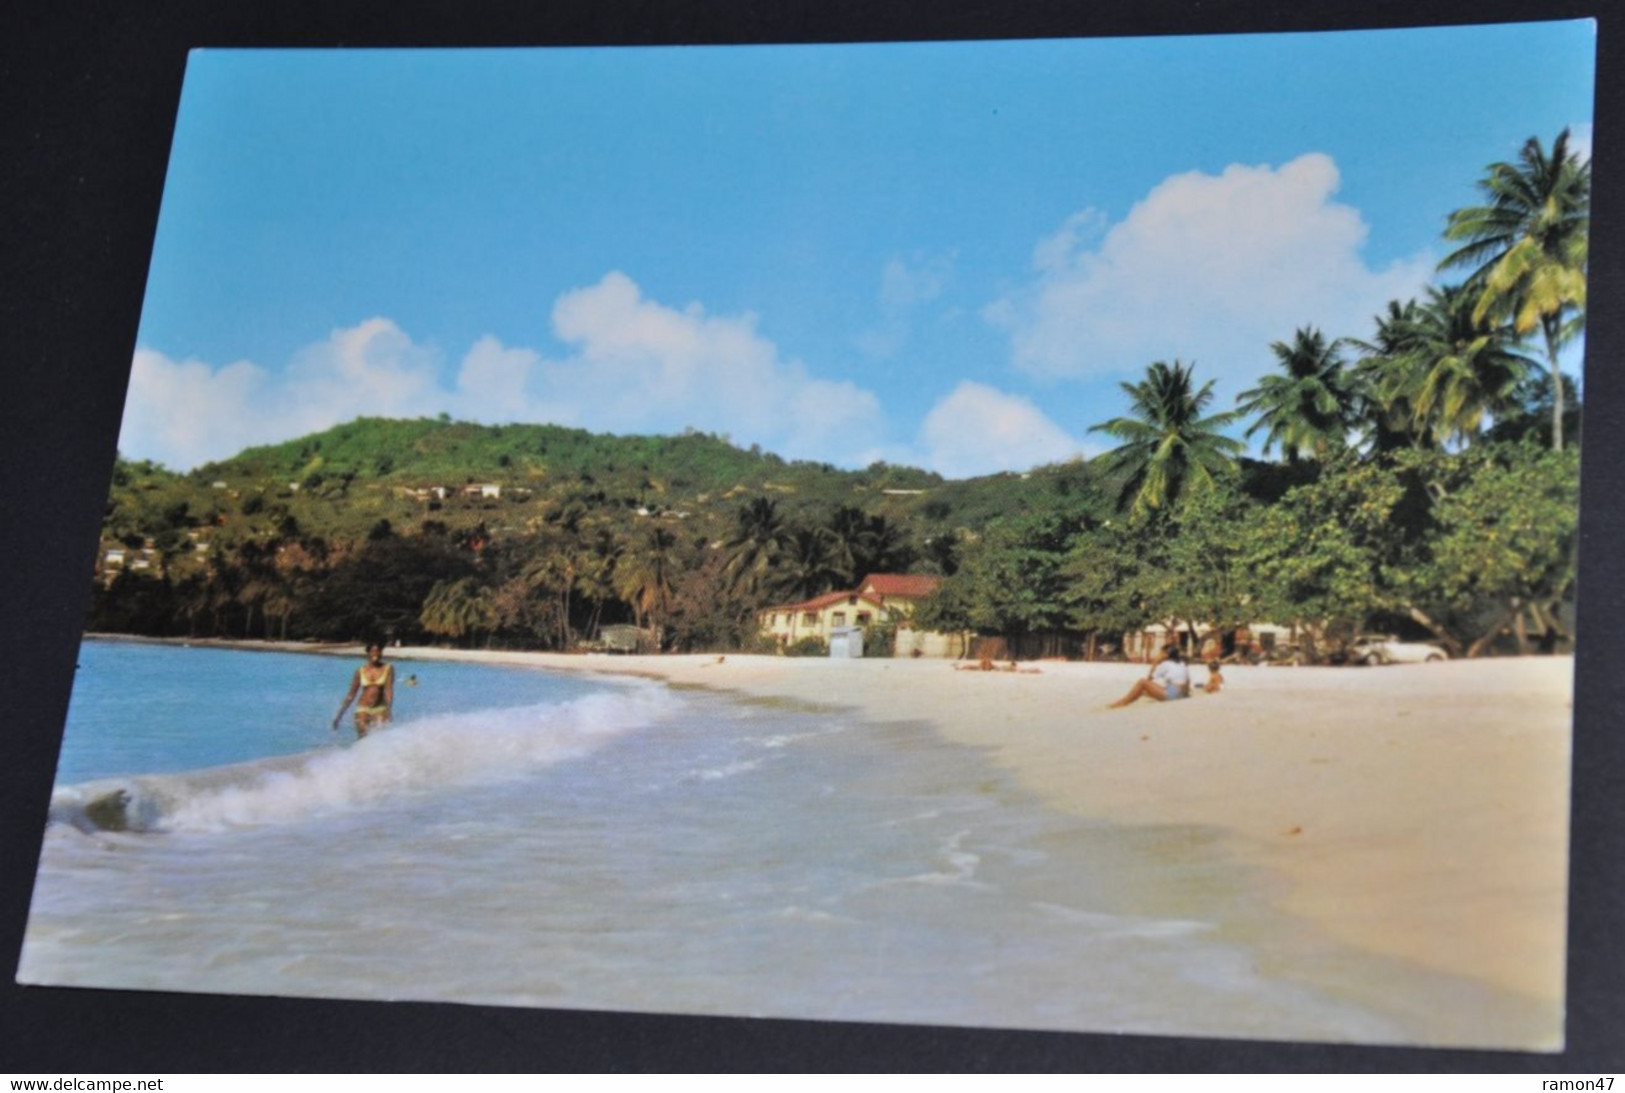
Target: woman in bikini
(375, 682)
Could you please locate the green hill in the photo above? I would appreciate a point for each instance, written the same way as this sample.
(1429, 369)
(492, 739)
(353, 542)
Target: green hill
(343, 483)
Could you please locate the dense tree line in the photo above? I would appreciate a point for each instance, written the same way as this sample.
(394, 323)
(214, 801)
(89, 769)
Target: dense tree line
(687, 585)
(1424, 477)
(1425, 482)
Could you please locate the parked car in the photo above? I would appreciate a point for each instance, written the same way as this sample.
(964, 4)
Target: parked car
(1386, 649)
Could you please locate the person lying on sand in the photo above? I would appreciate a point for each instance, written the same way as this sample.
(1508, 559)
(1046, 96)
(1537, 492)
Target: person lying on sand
(1169, 678)
(986, 665)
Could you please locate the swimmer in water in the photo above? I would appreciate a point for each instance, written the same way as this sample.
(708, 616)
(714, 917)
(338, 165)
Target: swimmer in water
(374, 681)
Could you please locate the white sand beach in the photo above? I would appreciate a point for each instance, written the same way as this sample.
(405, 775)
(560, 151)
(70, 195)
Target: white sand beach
(1415, 816)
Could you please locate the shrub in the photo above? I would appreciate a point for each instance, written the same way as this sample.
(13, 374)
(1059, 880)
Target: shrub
(807, 647)
(759, 643)
(880, 640)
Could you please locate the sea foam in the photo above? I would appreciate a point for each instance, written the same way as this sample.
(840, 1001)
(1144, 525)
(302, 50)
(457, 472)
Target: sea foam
(412, 757)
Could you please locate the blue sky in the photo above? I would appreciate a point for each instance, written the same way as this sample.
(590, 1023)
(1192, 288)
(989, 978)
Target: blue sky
(943, 254)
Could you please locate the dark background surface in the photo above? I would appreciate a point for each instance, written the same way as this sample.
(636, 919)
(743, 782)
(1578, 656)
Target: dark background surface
(89, 91)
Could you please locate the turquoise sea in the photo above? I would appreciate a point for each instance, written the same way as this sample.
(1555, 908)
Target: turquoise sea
(534, 839)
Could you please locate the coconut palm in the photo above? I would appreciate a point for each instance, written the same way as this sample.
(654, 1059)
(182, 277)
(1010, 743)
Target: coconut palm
(551, 574)
(1169, 447)
(1530, 416)
(595, 577)
(646, 574)
(753, 549)
(868, 544)
(811, 563)
(1312, 406)
(1388, 375)
(457, 609)
(1465, 366)
(1526, 247)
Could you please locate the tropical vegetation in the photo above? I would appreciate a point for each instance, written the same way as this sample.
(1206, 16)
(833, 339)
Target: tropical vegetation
(1418, 478)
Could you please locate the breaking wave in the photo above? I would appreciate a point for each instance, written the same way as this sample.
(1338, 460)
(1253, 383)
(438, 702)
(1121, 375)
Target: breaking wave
(487, 746)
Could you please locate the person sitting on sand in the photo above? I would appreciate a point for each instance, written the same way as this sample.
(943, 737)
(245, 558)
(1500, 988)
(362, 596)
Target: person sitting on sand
(1169, 678)
(375, 681)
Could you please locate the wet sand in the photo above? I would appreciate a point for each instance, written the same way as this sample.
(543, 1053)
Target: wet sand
(1410, 822)
(1414, 816)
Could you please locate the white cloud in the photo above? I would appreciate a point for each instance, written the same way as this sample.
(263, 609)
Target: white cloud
(373, 368)
(977, 430)
(634, 366)
(915, 280)
(641, 366)
(183, 413)
(494, 381)
(906, 284)
(1205, 268)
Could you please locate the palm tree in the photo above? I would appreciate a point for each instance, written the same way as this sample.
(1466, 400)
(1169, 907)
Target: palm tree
(1467, 366)
(811, 563)
(753, 549)
(868, 544)
(1531, 412)
(280, 602)
(551, 574)
(595, 579)
(1439, 368)
(645, 577)
(1312, 407)
(1527, 247)
(850, 527)
(1387, 376)
(457, 609)
(1168, 447)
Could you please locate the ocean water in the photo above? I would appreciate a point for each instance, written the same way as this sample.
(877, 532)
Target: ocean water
(533, 839)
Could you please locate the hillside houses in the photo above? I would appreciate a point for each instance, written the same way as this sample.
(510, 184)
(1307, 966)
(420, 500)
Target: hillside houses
(473, 491)
(115, 557)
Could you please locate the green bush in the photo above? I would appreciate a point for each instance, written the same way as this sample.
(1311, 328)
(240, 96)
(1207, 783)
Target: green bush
(759, 643)
(807, 647)
(880, 640)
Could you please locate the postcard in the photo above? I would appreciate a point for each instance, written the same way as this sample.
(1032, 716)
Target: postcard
(1071, 534)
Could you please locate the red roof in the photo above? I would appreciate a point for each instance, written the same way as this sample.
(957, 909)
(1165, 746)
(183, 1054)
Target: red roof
(901, 585)
(876, 588)
(818, 603)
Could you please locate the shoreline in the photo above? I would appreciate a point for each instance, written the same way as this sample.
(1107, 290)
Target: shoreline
(1412, 819)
